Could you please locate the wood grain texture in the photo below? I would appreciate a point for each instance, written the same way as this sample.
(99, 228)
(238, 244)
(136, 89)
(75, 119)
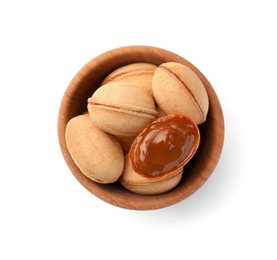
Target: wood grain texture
(198, 170)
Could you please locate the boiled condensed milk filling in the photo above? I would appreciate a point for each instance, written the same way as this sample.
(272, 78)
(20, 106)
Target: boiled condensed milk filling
(164, 146)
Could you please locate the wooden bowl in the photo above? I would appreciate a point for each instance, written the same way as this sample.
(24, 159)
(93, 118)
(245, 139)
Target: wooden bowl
(74, 102)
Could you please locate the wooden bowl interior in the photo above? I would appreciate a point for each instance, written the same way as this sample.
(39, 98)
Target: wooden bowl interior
(196, 172)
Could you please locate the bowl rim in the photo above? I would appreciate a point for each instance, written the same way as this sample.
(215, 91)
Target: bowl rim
(114, 194)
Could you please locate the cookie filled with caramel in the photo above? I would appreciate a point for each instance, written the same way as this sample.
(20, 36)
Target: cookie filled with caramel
(164, 146)
(160, 152)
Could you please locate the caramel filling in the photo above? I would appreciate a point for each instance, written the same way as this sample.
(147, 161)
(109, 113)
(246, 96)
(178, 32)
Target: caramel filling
(164, 146)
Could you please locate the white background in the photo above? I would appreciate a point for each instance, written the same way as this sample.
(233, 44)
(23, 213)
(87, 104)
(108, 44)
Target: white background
(46, 214)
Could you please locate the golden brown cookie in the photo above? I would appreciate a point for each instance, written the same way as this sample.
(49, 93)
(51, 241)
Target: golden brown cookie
(97, 154)
(178, 90)
(135, 74)
(144, 185)
(121, 109)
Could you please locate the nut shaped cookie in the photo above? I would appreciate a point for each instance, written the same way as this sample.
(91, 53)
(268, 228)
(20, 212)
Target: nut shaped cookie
(164, 147)
(121, 109)
(140, 184)
(135, 74)
(178, 90)
(97, 154)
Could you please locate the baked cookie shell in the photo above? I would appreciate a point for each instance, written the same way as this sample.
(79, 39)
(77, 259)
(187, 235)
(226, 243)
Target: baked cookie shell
(97, 154)
(121, 109)
(137, 183)
(178, 90)
(136, 74)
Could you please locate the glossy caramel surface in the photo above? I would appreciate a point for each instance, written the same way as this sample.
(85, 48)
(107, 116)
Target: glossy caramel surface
(164, 146)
